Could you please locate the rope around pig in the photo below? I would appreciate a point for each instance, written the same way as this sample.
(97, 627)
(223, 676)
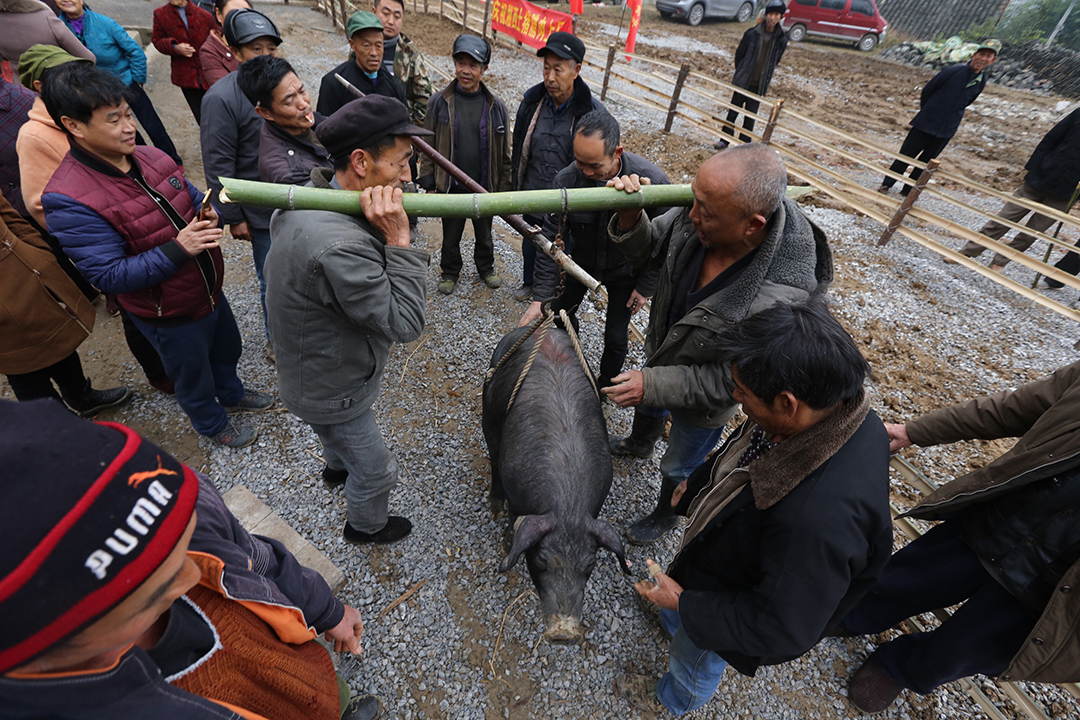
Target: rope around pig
(543, 324)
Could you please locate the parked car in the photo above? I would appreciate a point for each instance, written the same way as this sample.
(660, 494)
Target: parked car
(694, 11)
(856, 21)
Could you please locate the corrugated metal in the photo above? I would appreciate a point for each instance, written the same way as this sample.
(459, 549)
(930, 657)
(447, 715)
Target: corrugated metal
(929, 19)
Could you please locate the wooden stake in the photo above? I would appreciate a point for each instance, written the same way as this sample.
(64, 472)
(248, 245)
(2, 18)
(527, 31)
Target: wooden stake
(607, 71)
(683, 72)
(464, 14)
(771, 125)
(344, 13)
(909, 201)
(487, 18)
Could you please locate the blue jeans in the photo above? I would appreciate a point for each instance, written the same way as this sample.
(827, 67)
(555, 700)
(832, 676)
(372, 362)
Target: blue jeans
(260, 248)
(688, 445)
(693, 674)
(357, 446)
(201, 357)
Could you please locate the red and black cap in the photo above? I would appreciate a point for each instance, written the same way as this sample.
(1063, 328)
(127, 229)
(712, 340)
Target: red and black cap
(88, 511)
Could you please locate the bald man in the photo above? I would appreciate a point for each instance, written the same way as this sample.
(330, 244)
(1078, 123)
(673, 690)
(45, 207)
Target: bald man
(740, 249)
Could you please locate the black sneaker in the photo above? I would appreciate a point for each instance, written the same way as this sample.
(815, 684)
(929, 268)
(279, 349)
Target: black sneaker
(363, 707)
(334, 477)
(523, 293)
(395, 529)
(91, 401)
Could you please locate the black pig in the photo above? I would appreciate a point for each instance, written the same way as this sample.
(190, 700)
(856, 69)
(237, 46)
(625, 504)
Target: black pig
(551, 466)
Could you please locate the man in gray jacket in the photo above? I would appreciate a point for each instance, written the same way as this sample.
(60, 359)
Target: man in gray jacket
(341, 289)
(740, 249)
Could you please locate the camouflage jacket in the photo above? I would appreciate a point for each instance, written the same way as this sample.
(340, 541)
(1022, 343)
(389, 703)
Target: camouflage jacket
(411, 71)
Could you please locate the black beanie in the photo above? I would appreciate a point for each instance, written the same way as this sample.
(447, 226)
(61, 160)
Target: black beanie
(88, 511)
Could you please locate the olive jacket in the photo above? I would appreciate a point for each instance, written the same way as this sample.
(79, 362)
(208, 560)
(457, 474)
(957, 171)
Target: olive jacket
(683, 372)
(1045, 415)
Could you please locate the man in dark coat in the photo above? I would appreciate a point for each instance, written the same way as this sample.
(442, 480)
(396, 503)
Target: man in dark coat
(364, 68)
(288, 147)
(789, 523)
(941, 108)
(598, 157)
(756, 58)
(230, 135)
(1053, 173)
(544, 130)
(1008, 549)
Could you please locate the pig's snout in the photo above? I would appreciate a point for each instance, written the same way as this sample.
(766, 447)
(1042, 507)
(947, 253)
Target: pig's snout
(563, 629)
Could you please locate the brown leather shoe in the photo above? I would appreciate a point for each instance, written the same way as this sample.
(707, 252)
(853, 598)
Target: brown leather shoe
(870, 689)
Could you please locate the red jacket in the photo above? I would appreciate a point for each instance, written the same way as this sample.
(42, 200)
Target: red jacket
(123, 241)
(169, 31)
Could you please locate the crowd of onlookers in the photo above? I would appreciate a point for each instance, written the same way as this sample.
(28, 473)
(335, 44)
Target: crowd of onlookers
(125, 569)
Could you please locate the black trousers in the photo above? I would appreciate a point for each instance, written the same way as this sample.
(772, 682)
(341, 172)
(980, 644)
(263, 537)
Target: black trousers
(37, 385)
(937, 571)
(1070, 264)
(483, 250)
(142, 349)
(920, 146)
(616, 324)
(747, 103)
(194, 98)
(148, 117)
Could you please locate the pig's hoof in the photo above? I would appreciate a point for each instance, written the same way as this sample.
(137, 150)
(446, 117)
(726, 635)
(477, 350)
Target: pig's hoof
(563, 629)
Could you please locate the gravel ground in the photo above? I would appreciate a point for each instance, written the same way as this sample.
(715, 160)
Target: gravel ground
(468, 643)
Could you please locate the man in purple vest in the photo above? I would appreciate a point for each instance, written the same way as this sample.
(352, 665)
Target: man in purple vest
(128, 219)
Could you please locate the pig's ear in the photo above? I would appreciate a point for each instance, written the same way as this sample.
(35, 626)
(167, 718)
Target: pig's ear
(606, 537)
(528, 530)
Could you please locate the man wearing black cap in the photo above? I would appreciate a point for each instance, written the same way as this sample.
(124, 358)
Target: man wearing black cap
(544, 129)
(364, 68)
(470, 126)
(129, 591)
(230, 134)
(756, 58)
(342, 288)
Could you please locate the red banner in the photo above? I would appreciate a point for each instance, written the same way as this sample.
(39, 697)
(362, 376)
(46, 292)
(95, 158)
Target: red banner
(577, 7)
(635, 20)
(528, 23)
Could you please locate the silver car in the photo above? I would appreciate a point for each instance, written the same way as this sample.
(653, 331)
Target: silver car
(694, 11)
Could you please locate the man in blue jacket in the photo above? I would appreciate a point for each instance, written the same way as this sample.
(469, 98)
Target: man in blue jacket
(125, 568)
(942, 106)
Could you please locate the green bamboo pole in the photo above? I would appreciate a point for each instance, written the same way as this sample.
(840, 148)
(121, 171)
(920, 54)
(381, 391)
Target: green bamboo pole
(522, 202)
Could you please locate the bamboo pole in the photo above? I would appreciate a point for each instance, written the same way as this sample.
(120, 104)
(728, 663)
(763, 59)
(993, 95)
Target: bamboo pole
(461, 205)
(905, 206)
(683, 72)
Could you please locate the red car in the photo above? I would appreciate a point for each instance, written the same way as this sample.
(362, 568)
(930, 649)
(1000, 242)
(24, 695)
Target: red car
(856, 21)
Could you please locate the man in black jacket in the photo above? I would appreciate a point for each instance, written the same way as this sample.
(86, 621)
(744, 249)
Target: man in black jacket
(544, 130)
(230, 134)
(756, 58)
(789, 523)
(1053, 173)
(364, 68)
(598, 157)
(941, 108)
(288, 148)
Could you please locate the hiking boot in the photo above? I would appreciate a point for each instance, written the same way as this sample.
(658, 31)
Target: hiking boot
(999, 269)
(721, 145)
(884, 189)
(334, 477)
(659, 522)
(447, 283)
(363, 707)
(642, 438)
(235, 436)
(251, 401)
(870, 689)
(90, 401)
(639, 691)
(492, 280)
(523, 293)
(395, 529)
